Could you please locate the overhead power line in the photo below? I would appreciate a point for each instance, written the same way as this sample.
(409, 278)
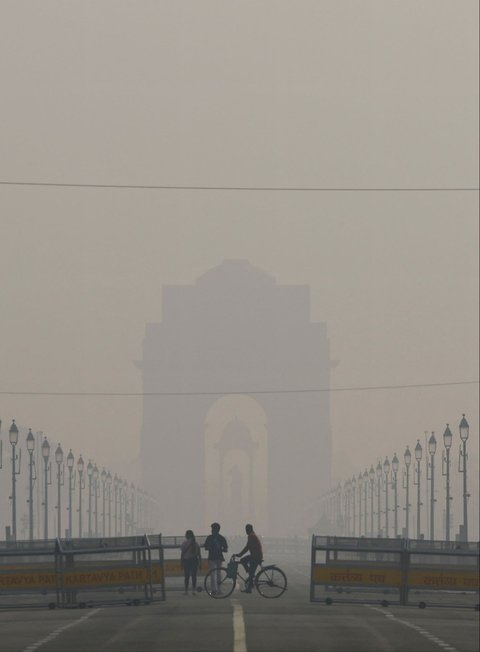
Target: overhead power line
(236, 188)
(253, 391)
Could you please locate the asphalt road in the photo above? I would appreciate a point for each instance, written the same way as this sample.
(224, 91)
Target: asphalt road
(243, 623)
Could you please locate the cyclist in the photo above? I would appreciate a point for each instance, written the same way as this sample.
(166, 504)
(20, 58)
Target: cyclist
(252, 560)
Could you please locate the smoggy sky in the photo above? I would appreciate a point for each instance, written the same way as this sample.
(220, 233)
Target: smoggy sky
(337, 94)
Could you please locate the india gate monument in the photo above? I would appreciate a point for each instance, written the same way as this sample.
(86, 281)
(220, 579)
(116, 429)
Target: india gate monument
(230, 431)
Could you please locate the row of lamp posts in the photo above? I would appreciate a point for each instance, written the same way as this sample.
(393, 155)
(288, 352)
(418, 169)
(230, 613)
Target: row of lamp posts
(371, 484)
(124, 506)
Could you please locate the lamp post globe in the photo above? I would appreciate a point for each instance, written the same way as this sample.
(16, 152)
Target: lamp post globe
(45, 449)
(386, 467)
(13, 433)
(418, 451)
(447, 437)
(30, 441)
(59, 455)
(70, 460)
(464, 428)
(395, 463)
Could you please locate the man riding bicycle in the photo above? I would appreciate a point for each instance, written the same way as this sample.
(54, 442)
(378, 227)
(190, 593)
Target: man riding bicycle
(252, 560)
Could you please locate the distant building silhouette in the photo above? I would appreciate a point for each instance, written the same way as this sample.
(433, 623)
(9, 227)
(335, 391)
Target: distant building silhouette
(240, 457)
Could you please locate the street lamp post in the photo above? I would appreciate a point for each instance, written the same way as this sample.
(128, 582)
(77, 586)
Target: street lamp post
(125, 504)
(464, 432)
(371, 475)
(81, 485)
(432, 447)
(418, 458)
(360, 493)
(407, 456)
(89, 476)
(132, 508)
(103, 478)
(379, 491)
(346, 493)
(109, 485)
(395, 465)
(59, 461)
(386, 470)
(13, 435)
(354, 484)
(46, 455)
(30, 449)
(447, 442)
(70, 462)
(95, 475)
(365, 497)
(115, 504)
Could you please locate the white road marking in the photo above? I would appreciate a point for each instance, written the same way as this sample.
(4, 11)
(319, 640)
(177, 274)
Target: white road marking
(239, 640)
(420, 630)
(58, 631)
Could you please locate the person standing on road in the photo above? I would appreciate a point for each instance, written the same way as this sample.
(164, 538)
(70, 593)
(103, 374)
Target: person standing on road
(254, 559)
(215, 545)
(191, 560)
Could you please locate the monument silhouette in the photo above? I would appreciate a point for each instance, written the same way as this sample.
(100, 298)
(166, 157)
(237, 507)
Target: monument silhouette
(230, 431)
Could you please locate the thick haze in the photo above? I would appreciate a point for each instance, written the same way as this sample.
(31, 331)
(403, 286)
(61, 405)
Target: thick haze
(286, 94)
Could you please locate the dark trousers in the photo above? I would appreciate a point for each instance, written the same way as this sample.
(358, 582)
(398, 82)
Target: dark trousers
(190, 567)
(250, 564)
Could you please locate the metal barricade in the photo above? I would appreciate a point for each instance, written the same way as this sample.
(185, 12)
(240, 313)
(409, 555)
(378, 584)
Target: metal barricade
(109, 571)
(397, 571)
(81, 572)
(28, 574)
(443, 573)
(345, 569)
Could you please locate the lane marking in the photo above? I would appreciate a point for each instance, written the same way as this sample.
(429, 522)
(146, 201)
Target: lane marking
(58, 631)
(421, 630)
(239, 639)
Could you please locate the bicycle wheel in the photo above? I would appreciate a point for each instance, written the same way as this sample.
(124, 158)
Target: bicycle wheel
(271, 582)
(222, 587)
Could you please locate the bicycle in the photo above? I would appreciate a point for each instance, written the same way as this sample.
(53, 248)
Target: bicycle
(270, 581)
